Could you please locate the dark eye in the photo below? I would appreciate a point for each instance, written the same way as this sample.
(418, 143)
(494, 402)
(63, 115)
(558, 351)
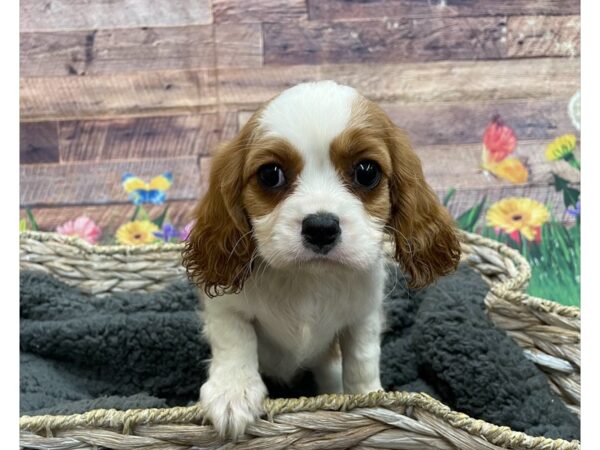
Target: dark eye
(367, 174)
(271, 176)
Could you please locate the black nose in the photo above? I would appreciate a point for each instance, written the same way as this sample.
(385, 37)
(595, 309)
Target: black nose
(321, 231)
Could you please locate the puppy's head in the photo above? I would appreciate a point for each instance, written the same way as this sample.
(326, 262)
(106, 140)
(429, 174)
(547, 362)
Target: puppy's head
(316, 179)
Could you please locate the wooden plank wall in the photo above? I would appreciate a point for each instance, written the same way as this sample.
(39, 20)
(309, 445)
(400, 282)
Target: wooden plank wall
(145, 87)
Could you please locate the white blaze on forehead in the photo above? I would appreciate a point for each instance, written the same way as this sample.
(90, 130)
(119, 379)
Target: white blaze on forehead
(310, 116)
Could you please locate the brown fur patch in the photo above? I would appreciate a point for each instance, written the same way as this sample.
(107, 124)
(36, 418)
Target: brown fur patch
(218, 253)
(359, 142)
(258, 201)
(426, 240)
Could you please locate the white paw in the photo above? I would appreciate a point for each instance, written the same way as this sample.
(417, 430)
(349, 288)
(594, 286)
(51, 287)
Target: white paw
(233, 402)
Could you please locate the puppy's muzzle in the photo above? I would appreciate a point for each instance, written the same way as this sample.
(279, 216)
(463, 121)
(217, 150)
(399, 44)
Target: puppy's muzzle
(321, 232)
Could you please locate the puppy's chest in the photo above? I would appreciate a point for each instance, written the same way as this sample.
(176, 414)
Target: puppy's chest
(304, 325)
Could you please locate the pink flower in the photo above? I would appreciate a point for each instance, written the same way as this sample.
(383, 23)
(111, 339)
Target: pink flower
(82, 227)
(185, 233)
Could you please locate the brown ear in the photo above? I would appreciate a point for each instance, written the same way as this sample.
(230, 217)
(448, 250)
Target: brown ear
(218, 252)
(427, 243)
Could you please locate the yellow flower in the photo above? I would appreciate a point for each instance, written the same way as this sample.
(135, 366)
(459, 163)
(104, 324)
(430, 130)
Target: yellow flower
(561, 147)
(137, 233)
(522, 215)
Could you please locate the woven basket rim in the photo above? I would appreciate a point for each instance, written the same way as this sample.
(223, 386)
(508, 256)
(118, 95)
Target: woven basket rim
(509, 290)
(127, 420)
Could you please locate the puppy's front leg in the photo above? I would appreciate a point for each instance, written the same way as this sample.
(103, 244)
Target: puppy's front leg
(360, 344)
(233, 394)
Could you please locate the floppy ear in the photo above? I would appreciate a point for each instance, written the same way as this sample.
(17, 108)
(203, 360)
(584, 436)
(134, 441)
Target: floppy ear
(219, 248)
(427, 243)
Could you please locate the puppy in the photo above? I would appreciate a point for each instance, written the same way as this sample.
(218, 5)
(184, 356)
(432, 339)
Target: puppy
(290, 235)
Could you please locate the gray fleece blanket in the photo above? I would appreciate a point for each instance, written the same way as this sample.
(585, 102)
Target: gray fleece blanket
(145, 350)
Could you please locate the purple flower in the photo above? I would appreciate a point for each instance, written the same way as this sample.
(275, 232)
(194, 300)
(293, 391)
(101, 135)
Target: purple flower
(185, 233)
(576, 211)
(167, 233)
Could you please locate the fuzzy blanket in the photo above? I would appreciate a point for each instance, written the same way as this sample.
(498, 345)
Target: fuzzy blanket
(145, 350)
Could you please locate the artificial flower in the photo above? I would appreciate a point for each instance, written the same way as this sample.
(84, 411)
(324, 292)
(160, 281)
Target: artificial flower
(137, 232)
(575, 211)
(82, 227)
(562, 148)
(167, 233)
(499, 141)
(185, 233)
(518, 216)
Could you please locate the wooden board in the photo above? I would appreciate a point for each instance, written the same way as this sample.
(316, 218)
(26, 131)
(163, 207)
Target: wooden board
(138, 138)
(61, 15)
(385, 41)
(109, 217)
(100, 182)
(458, 81)
(434, 123)
(531, 36)
(141, 93)
(39, 143)
(105, 52)
(235, 11)
(352, 9)
(239, 45)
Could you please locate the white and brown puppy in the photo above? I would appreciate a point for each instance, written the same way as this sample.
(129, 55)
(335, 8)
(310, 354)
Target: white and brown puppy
(291, 235)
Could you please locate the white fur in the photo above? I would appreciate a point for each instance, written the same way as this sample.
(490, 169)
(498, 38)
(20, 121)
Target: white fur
(297, 304)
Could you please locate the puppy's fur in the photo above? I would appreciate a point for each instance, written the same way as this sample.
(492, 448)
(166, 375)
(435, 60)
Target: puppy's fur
(284, 306)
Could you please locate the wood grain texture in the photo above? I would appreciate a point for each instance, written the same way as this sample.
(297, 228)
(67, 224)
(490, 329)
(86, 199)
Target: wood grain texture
(235, 11)
(101, 52)
(100, 182)
(359, 9)
(109, 217)
(464, 122)
(385, 41)
(39, 143)
(531, 36)
(439, 123)
(142, 93)
(458, 81)
(36, 15)
(138, 138)
(239, 45)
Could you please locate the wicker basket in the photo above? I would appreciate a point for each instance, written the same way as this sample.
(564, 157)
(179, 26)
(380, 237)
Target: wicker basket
(549, 334)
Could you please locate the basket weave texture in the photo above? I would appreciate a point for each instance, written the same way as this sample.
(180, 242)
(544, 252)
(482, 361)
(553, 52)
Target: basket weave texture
(548, 332)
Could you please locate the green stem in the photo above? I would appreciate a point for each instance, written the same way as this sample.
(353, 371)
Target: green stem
(34, 225)
(570, 158)
(136, 212)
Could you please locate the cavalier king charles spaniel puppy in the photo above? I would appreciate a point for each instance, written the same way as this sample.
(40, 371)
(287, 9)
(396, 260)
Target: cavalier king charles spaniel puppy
(290, 238)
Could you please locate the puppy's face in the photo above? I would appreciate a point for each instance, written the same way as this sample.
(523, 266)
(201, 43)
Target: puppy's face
(318, 176)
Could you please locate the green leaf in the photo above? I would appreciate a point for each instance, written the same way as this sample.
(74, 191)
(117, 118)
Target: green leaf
(570, 194)
(22, 224)
(467, 220)
(33, 223)
(449, 196)
(161, 219)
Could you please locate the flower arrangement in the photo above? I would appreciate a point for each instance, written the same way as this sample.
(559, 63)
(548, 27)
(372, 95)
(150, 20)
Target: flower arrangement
(551, 245)
(140, 230)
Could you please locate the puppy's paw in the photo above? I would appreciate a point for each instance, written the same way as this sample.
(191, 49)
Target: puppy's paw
(233, 402)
